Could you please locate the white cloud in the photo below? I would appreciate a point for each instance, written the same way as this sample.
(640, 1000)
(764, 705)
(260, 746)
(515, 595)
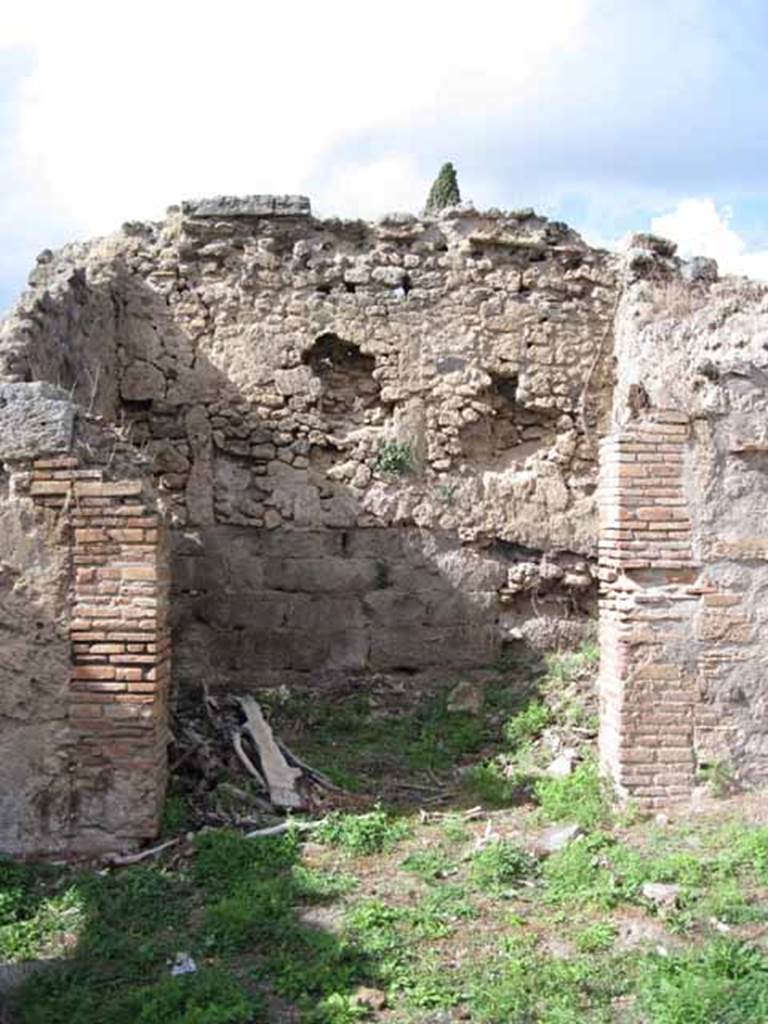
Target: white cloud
(701, 229)
(131, 107)
(367, 189)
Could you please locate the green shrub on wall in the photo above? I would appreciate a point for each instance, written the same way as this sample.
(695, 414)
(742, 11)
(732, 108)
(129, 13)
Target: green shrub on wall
(395, 457)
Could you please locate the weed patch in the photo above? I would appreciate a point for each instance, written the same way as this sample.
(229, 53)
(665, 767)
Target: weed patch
(582, 797)
(488, 783)
(524, 985)
(429, 864)
(394, 457)
(596, 938)
(502, 863)
(725, 981)
(528, 724)
(39, 912)
(361, 834)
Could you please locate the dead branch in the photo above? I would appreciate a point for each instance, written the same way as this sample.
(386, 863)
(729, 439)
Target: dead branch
(247, 763)
(317, 776)
(281, 777)
(284, 826)
(134, 858)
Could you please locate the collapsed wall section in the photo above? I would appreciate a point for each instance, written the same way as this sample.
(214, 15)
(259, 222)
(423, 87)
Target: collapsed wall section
(84, 592)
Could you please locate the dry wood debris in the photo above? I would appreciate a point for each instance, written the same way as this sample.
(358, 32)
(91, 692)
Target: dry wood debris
(231, 769)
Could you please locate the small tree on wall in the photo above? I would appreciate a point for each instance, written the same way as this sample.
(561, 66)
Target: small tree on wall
(444, 191)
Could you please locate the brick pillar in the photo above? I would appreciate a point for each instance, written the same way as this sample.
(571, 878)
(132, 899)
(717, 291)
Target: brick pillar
(120, 645)
(647, 607)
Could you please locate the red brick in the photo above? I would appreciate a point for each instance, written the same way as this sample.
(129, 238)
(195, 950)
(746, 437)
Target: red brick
(721, 600)
(130, 674)
(127, 536)
(138, 572)
(57, 462)
(123, 488)
(45, 487)
(94, 672)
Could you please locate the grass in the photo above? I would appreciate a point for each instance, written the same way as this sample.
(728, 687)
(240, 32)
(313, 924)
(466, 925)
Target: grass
(581, 797)
(237, 895)
(358, 746)
(449, 915)
(439, 916)
(725, 980)
(359, 834)
(502, 863)
(38, 912)
(525, 984)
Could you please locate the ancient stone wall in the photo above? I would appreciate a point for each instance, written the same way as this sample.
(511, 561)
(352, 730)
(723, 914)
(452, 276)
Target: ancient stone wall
(84, 621)
(392, 425)
(377, 449)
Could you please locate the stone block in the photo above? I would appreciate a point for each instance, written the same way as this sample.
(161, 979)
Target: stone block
(35, 419)
(320, 575)
(142, 382)
(225, 207)
(415, 647)
(389, 610)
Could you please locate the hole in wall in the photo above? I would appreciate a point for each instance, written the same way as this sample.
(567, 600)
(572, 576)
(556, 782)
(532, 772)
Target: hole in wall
(509, 430)
(348, 387)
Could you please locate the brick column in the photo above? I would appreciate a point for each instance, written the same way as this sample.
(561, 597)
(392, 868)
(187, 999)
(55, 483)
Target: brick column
(118, 692)
(647, 606)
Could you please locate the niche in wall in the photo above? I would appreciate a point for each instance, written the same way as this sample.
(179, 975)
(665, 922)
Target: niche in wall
(348, 387)
(509, 431)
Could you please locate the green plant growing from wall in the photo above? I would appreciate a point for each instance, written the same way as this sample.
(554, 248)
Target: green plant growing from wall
(394, 457)
(718, 775)
(444, 191)
(448, 492)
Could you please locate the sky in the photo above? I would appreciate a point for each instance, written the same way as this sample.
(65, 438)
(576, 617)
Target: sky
(613, 115)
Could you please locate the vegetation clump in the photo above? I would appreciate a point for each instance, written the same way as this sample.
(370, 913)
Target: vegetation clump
(359, 834)
(394, 457)
(444, 191)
